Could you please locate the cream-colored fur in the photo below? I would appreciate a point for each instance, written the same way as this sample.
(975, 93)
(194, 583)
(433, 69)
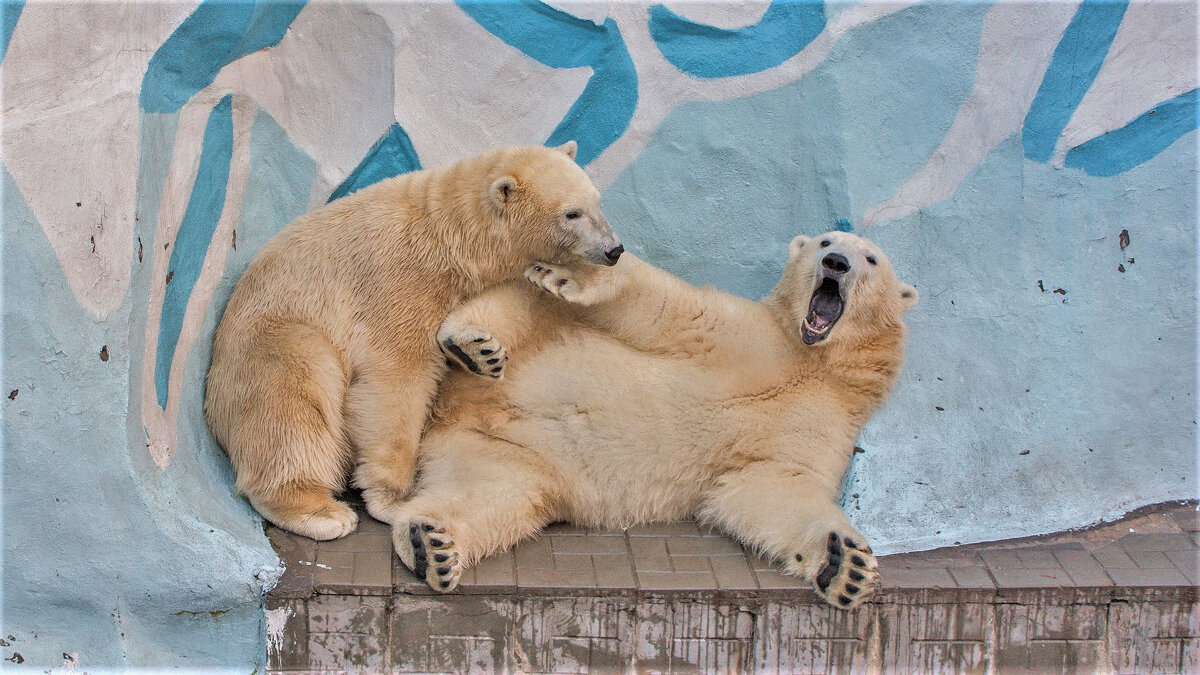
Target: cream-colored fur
(326, 357)
(634, 397)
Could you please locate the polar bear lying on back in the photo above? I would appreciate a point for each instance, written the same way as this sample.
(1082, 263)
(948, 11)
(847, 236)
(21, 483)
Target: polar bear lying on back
(633, 397)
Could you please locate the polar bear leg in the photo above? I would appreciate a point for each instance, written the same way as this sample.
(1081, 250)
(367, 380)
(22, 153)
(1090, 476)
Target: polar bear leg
(646, 307)
(385, 413)
(476, 496)
(277, 409)
(792, 518)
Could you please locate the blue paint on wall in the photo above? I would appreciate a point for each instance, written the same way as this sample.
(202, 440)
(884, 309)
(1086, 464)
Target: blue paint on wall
(10, 11)
(216, 34)
(843, 225)
(1073, 68)
(195, 233)
(1149, 134)
(602, 112)
(707, 51)
(392, 155)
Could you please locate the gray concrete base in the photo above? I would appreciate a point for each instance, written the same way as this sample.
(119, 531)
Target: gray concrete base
(1035, 631)
(1120, 599)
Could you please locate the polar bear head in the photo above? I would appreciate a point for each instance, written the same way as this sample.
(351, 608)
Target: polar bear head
(841, 287)
(553, 206)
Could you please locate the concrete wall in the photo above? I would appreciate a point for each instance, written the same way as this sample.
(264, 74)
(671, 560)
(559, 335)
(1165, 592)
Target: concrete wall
(996, 151)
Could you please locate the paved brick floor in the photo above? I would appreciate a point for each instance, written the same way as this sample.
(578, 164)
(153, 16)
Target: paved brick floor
(1118, 597)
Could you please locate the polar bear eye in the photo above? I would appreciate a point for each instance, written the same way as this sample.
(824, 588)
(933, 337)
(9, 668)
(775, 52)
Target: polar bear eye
(573, 214)
(871, 259)
(824, 243)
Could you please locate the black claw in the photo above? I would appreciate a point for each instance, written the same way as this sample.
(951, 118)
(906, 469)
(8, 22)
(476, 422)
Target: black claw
(857, 560)
(435, 542)
(486, 352)
(441, 557)
(799, 558)
(443, 570)
(492, 362)
(825, 576)
(851, 588)
(845, 602)
(427, 527)
(446, 584)
(479, 340)
(497, 369)
(850, 543)
(855, 575)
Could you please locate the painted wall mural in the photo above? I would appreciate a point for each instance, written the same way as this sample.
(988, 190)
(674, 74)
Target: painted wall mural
(1031, 167)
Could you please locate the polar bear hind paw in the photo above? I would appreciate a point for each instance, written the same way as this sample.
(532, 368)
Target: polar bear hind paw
(426, 548)
(849, 574)
(475, 350)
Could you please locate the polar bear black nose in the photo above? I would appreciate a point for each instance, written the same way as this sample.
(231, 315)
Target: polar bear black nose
(614, 253)
(836, 263)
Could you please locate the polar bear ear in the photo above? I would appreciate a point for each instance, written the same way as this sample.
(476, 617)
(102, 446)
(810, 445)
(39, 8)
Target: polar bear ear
(569, 149)
(908, 297)
(503, 189)
(797, 245)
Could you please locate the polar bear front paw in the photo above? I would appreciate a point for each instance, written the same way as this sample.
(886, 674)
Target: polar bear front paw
(847, 573)
(556, 281)
(475, 350)
(426, 548)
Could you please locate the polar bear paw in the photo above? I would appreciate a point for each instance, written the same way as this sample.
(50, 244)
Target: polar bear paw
(557, 281)
(475, 350)
(425, 547)
(847, 574)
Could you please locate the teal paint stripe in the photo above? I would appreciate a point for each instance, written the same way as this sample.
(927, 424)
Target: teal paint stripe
(392, 155)
(1149, 134)
(557, 39)
(787, 27)
(218, 33)
(10, 11)
(1073, 68)
(194, 236)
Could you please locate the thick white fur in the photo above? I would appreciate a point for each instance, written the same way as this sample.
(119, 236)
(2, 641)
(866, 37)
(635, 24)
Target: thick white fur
(632, 396)
(326, 360)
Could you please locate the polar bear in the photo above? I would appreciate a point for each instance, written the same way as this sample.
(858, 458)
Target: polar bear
(326, 353)
(632, 397)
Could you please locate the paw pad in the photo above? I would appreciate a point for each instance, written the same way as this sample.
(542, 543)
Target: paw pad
(429, 551)
(849, 574)
(475, 351)
(552, 280)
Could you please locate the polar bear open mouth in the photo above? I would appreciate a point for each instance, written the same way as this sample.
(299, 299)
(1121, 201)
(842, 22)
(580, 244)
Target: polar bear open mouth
(824, 310)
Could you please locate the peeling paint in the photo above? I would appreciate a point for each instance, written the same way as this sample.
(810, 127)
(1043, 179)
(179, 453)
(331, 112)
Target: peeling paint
(276, 620)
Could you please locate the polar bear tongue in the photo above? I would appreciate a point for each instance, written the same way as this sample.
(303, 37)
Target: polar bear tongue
(824, 310)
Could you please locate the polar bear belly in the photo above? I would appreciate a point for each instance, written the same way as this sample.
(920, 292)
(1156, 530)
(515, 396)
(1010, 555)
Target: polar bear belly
(619, 425)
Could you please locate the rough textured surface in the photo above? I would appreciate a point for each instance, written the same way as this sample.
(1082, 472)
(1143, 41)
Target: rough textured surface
(1046, 344)
(676, 598)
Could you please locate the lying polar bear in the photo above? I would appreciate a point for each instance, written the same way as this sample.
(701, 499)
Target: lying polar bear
(634, 397)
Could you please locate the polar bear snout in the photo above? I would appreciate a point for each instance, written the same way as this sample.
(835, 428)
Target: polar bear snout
(613, 254)
(835, 264)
